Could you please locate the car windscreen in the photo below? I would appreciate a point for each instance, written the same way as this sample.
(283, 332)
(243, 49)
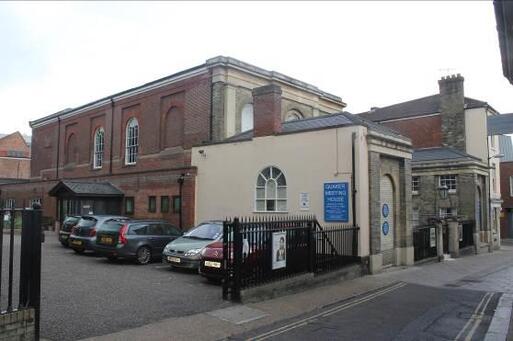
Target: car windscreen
(205, 231)
(87, 222)
(71, 220)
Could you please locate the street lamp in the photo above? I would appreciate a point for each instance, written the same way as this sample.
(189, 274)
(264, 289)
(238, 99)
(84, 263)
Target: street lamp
(180, 181)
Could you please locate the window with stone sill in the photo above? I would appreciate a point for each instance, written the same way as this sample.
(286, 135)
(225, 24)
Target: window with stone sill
(131, 141)
(449, 181)
(415, 184)
(271, 191)
(99, 143)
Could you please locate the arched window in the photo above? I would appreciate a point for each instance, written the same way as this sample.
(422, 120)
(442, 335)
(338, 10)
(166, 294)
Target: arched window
(246, 118)
(132, 141)
(293, 115)
(271, 191)
(71, 149)
(99, 143)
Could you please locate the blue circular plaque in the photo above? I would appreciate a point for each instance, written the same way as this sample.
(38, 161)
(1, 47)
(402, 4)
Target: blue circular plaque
(385, 228)
(385, 210)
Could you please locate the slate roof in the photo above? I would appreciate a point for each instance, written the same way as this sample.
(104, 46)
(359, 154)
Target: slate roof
(417, 107)
(441, 154)
(322, 122)
(500, 124)
(506, 148)
(86, 189)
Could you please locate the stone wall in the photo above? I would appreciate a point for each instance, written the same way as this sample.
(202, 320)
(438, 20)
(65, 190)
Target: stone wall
(17, 325)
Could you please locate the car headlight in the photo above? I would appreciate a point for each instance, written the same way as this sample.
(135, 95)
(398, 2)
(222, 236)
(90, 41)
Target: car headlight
(192, 252)
(167, 249)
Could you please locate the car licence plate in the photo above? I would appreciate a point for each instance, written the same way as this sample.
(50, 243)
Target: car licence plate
(174, 259)
(106, 240)
(212, 264)
(76, 242)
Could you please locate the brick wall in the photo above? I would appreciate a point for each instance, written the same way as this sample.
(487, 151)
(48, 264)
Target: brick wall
(423, 131)
(506, 170)
(17, 325)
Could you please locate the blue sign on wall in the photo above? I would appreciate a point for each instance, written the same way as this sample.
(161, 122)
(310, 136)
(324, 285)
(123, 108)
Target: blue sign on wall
(336, 203)
(385, 227)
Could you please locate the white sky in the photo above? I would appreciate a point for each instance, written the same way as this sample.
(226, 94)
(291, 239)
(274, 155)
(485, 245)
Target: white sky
(59, 55)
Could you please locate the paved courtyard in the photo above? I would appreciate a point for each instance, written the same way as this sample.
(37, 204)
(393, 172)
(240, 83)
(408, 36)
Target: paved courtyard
(85, 295)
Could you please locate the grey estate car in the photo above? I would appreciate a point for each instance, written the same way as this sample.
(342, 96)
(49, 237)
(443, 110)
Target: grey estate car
(83, 234)
(141, 240)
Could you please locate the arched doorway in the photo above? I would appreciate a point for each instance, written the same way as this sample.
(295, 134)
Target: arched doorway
(387, 219)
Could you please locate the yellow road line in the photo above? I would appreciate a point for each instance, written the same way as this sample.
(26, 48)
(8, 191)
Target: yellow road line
(474, 315)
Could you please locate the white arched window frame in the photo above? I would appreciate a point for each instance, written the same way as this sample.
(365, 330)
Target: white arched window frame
(132, 141)
(246, 118)
(293, 115)
(99, 144)
(271, 191)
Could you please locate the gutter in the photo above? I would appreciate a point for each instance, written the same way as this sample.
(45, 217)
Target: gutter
(111, 133)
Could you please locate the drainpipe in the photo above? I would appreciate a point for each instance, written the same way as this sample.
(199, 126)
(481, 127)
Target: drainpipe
(353, 177)
(111, 133)
(180, 191)
(58, 146)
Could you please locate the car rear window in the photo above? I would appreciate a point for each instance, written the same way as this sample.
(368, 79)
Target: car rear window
(87, 222)
(71, 220)
(112, 226)
(205, 231)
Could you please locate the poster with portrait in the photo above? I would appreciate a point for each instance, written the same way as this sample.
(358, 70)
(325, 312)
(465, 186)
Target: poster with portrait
(279, 250)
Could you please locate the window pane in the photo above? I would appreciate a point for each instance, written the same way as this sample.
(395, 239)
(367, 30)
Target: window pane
(270, 205)
(260, 193)
(260, 205)
(164, 204)
(281, 180)
(260, 181)
(282, 205)
(271, 189)
(176, 204)
(267, 172)
(282, 192)
(152, 204)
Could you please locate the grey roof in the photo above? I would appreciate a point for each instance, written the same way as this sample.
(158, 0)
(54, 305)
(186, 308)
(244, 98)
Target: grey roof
(86, 189)
(322, 122)
(500, 124)
(441, 154)
(506, 148)
(417, 107)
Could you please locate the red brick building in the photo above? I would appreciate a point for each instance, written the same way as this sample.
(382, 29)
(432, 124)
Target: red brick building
(130, 152)
(14, 158)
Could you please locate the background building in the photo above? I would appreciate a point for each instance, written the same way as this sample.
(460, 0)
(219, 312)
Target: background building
(451, 150)
(130, 152)
(14, 158)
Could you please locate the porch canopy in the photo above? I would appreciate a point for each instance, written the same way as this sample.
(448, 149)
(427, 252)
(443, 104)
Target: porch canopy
(82, 198)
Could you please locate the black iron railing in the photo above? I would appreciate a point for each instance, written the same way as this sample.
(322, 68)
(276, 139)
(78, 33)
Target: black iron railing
(265, 249)
(424, 242)
(22, 246)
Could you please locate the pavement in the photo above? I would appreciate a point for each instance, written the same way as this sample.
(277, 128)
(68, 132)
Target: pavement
(464, 298)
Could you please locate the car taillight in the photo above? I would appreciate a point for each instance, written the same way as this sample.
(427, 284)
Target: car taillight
(92, 232)
(122, 234)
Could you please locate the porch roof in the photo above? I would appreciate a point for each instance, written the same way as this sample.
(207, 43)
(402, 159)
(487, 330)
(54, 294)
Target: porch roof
(85, 189)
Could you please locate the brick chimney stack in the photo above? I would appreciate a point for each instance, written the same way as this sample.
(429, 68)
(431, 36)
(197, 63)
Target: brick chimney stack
(267, 110)
(452, 111)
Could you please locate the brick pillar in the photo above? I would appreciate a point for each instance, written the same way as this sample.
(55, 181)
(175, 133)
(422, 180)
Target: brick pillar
(267, 110)
(452, 110)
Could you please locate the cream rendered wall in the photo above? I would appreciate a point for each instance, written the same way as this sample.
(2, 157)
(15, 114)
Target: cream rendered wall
(476, 132)
(227, 173)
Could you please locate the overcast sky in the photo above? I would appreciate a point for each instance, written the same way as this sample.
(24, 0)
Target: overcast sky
(59, 55)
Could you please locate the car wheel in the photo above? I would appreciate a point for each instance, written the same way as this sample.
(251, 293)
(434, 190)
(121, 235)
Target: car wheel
(143, 255)
(112, 258)
(79, 251)
(65, 244)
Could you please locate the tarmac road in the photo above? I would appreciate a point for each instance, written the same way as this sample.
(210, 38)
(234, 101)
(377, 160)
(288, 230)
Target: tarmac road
(399, 312)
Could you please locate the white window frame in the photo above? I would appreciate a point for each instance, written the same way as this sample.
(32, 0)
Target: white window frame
(34, 201)
(98, 148)
(415, 188)
(415, 217)
(451, 181)
(131, 141)
(293, 115)
(247, 118)
(442, 212)
(10, 203)
(275, 176)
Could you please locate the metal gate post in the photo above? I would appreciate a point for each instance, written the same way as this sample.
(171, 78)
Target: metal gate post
(237, 260)
(30, 264)
(226, 260)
